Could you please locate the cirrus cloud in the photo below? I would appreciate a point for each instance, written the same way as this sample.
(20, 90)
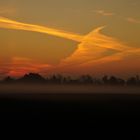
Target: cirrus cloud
(133, 20)
(104, 13)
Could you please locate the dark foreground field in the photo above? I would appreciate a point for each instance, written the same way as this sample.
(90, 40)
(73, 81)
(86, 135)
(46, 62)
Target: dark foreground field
(69, 103)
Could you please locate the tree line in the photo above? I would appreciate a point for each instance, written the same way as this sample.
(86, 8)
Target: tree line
(84, 79)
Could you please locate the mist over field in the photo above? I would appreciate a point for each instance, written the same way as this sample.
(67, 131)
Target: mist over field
(66, 89)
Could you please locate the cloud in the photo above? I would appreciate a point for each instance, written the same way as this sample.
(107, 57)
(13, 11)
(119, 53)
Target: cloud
(104, 13)
(20, 65)
(17, 66)
(11, 24)
(133, 20)
(95, 51)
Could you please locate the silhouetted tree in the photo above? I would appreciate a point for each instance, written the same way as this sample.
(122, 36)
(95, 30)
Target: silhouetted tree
(113, 80)
(131, 81)
(121, 82)
(105, 79)
(31, 78)
(86, 79)
(8, 80)
(57, 79)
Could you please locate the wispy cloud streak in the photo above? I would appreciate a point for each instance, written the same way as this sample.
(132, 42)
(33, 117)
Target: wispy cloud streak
(104, 13)
(11, 24)
(133, 20)
(90, 52)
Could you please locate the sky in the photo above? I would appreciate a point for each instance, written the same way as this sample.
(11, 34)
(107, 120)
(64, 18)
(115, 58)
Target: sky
(70, 37)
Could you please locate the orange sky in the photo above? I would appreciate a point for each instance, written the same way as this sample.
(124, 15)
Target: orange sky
(29, 43)
(92, 52)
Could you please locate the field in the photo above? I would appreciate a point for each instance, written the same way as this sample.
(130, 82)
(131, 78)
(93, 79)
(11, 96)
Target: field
(68, 102)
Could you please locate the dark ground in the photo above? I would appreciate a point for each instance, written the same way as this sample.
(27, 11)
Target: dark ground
(87, 107)
(79, 103)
